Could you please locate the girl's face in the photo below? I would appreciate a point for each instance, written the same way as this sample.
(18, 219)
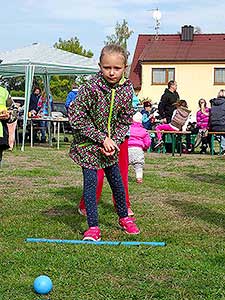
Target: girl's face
(113, 67)
(202, 102)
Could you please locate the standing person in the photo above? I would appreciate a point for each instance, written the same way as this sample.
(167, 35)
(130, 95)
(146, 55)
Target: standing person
(100, 119)
(34, 98)
(138, 142)
(166, 105)
(44, 110)
(178, 121)
(71, 95)
(217, 116)
(202, 118)
(33, 109)
(8, 114)
(123, 165)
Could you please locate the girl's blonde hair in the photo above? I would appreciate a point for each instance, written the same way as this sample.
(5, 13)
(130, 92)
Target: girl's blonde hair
(114, 48)
(43, 94)
(181, 103)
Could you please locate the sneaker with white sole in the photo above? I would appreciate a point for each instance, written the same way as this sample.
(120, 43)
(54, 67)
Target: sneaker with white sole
(82, 211)
(92, 234)
(128, 225)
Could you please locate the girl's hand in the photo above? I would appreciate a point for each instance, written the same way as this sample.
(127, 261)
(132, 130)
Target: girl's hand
(106, 153)
(110, 145)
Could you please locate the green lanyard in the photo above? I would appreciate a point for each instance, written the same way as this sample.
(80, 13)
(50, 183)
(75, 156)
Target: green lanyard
(110, 112)
(122, 80)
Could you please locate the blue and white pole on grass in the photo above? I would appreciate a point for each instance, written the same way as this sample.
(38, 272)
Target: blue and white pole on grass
(109, 243)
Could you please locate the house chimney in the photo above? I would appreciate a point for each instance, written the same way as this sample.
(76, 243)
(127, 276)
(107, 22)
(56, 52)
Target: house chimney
(187, 33)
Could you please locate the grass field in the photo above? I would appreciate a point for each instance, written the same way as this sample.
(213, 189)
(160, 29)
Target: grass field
(180, 202)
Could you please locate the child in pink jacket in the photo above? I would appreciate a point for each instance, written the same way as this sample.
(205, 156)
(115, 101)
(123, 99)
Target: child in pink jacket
(138, 142)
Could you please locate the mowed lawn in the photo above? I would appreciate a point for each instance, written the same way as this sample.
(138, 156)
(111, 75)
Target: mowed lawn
(181, 202)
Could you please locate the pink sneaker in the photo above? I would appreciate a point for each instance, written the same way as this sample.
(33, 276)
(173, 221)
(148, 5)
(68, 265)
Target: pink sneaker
(130, 212)
(128, 225)
(92, 234)
(82, 211)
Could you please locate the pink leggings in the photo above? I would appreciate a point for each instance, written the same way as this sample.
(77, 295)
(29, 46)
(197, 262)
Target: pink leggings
(165, 127)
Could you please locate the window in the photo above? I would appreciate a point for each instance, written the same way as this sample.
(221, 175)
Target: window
(162, 75)
(219, 76)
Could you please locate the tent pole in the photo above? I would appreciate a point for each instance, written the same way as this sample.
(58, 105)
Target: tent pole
(29, 76)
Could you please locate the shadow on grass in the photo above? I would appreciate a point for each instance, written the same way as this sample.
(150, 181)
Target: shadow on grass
(68, 213)
(194, 210)
(209, 178)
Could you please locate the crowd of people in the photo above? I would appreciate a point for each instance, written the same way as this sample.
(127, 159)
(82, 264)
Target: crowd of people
(174, 115)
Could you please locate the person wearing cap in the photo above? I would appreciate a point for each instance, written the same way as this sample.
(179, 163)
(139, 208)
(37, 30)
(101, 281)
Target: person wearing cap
(138, 142)
(146, 115)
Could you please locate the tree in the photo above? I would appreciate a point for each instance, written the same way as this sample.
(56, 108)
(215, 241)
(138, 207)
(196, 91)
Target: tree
(60, 85)
(73, 45)
(121, 35)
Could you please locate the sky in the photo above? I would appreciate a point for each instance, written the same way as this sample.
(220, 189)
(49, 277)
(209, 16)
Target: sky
(24, 22)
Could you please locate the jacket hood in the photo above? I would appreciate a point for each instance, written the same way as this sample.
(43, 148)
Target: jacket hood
(184, 109)
(137, 124)
(217, 101)
(100, 81)
(167, 91)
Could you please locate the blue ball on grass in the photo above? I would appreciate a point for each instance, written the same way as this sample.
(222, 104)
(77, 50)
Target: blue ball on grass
(42, 285)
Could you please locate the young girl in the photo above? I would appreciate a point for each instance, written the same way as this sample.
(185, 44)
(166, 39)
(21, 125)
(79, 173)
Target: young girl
(202, 118)
(100, 118)
(123, 165)
(178, 120)
(139, 141)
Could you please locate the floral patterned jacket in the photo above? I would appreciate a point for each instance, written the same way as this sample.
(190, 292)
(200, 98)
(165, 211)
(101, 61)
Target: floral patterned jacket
(89, 118)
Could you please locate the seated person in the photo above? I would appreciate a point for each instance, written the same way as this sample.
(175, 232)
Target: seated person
(179, 119)
(146, 115)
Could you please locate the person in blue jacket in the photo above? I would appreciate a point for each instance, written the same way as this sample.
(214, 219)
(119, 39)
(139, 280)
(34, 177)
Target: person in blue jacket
(71, 95)
(146, 115)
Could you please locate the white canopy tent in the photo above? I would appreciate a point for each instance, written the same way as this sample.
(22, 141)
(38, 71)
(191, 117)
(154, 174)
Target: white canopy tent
(44, 61)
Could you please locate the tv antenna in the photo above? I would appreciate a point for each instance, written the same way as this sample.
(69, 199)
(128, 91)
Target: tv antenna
(157, 15)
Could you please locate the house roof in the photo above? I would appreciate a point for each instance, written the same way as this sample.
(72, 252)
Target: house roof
(170, 48)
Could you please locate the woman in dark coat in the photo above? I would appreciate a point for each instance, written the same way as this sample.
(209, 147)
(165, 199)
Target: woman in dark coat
(217, 116)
